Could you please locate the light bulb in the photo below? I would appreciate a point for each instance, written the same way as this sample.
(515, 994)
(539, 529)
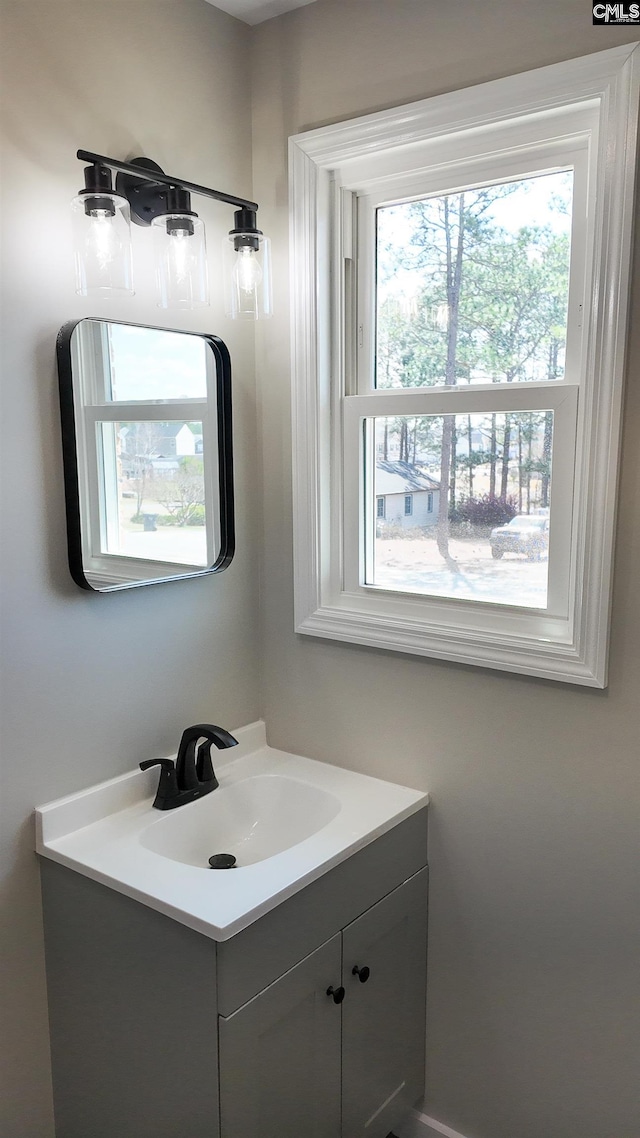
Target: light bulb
(181, 258)
(102, 241)
(179, 254)
(247, 272)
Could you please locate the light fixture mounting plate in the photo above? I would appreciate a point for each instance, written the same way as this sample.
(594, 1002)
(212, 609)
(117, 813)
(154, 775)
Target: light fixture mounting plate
(147, 198)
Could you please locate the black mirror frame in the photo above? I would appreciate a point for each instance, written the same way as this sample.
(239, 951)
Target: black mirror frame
(70, 456)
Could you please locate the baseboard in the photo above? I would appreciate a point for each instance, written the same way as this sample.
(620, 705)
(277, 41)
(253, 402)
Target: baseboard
(419, 1125)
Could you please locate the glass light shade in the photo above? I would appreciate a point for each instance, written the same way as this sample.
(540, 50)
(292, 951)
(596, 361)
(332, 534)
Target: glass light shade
(102, 235)
(247, 275)
(181, 261)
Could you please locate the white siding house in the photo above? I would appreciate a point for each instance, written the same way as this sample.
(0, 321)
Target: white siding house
(405, 496)
(156, 446)
(175, 439)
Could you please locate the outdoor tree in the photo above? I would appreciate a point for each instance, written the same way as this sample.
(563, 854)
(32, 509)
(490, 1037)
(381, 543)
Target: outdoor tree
(487, 304)
(141, 443)
(451, 233)
(183, 495)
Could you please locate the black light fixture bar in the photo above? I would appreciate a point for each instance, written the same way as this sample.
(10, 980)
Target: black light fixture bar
(165, 179)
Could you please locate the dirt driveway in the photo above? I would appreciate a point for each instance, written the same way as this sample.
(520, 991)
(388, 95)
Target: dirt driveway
(415, 565)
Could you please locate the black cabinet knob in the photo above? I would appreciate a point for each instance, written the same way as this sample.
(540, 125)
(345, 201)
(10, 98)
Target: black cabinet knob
(363, 974)
(337, 993)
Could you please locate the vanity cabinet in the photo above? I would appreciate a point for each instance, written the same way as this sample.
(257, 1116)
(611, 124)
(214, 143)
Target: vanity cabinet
(294, 1061)
(158, 1031)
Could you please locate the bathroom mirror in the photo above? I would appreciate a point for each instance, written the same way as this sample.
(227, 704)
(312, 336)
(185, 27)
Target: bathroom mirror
(146, 431)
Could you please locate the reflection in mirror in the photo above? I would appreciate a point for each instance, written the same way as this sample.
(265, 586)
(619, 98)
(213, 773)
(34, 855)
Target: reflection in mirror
(146, 421)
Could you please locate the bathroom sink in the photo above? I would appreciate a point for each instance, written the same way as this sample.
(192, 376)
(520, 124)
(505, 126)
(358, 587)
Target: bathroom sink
(285, 819)
(252, 820)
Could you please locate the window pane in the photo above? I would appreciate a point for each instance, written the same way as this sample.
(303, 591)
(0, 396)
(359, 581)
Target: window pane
(153, 491)
(487, 537)
(153, 364)
(472, 287)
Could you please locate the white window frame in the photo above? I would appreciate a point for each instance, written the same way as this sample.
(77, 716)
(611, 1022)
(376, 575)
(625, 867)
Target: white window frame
(593, 103)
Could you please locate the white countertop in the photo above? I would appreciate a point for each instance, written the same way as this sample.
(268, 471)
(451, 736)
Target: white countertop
(100, 832)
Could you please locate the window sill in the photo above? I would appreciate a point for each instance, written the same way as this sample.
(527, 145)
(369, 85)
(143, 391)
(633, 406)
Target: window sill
(557, 660)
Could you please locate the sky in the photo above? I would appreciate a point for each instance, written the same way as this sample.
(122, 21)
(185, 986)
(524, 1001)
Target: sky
(531, 204)
(151, 363)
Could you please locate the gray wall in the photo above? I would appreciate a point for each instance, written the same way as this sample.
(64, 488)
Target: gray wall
(533, 957)
(94, 683)
(533, 954)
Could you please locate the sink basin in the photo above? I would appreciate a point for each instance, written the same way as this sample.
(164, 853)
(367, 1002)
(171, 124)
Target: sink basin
(285, 818)
(253, 820)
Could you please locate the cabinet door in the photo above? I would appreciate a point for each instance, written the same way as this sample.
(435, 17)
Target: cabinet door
(383, 1019)
(280, 1056)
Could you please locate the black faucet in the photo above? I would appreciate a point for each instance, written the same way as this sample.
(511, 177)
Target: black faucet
(192, 775)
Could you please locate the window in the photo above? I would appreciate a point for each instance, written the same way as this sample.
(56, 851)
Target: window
(471, 289)
(468, 304)
(380, 507)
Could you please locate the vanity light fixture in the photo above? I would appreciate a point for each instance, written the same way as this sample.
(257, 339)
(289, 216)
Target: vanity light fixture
(144, 193)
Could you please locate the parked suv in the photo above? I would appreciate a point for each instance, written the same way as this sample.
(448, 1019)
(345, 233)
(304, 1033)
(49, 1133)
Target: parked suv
(526, 533)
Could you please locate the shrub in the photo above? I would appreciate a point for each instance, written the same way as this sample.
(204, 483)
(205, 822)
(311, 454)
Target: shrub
(197, 517)
(194, 517)
(485, 511)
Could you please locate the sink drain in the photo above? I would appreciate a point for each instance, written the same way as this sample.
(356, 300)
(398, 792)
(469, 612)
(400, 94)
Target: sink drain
(222, 861)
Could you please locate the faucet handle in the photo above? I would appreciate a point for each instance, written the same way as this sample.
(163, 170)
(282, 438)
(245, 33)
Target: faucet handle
(166, 764)
(167, 786)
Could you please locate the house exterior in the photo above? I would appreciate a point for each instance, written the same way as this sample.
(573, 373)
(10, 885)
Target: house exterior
(162, 440)
(176, 439)
(405, 496)
(157, 446)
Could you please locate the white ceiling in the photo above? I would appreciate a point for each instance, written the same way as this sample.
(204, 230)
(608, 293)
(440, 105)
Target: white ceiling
(255, 11)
